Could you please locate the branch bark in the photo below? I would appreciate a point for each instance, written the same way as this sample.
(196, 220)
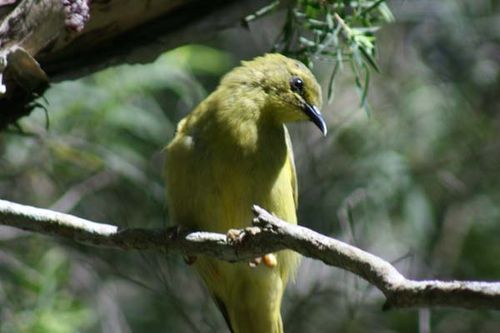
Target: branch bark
(269, 234)
(48, 40)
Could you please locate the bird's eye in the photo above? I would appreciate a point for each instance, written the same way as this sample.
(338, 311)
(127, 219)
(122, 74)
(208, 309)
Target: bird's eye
(297, 85)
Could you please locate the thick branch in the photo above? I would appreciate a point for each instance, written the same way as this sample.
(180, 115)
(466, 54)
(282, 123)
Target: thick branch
(271, 234)
(46, 40)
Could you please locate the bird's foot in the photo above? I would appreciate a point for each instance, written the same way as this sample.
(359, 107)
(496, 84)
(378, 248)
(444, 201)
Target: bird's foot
(255, 262)
(235, 236)
(269, 260)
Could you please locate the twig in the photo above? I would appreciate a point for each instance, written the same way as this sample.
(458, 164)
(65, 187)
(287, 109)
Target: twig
(271, 235)
(74, 195)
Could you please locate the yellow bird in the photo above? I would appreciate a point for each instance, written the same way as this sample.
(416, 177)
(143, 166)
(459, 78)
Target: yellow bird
(234, 151)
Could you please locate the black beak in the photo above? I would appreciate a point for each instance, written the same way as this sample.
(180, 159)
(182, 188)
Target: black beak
(315, 115)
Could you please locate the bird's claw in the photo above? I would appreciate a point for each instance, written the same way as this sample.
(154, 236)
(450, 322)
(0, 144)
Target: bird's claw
(235, 236)
(252, 231)
(269, 260)
(255, 262)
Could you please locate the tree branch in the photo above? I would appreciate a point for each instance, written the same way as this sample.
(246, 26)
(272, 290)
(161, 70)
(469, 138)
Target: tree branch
(45, 41)
(269, 234)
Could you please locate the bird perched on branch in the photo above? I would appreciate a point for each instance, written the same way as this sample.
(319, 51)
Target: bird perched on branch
(234, 151)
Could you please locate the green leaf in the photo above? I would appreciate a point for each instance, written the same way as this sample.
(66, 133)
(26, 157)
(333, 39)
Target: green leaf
(331, 83)
(369, 59)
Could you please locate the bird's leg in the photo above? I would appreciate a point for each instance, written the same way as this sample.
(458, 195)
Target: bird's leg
(234, 236)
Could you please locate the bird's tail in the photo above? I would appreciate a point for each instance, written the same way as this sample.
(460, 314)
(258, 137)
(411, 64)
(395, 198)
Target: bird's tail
(244, 320)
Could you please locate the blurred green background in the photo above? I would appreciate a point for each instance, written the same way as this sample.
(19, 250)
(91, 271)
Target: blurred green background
(416, 181)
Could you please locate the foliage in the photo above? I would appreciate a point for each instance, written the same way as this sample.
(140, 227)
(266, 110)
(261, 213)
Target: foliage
(337, 30)
(44, 304)
(343, 31)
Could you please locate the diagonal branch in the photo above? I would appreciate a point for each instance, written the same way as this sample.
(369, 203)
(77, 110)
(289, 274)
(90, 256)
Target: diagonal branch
(269, 234)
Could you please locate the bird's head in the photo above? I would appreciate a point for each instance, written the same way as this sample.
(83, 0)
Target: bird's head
(290, 90)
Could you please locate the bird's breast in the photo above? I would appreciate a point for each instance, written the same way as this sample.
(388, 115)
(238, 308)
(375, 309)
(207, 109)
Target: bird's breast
(214, 183)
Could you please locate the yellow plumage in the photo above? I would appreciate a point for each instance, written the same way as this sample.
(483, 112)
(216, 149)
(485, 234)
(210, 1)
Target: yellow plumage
(231, 152)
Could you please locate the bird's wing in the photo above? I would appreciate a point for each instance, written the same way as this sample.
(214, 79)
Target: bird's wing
(291, 164)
